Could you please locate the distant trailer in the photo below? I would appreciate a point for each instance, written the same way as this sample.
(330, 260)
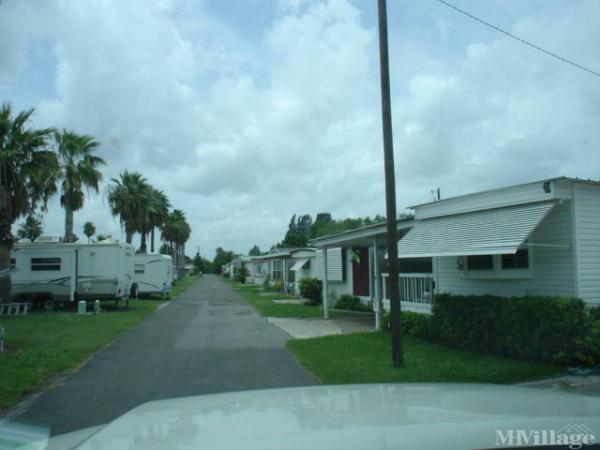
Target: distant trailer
(153, 273)
(53, 272)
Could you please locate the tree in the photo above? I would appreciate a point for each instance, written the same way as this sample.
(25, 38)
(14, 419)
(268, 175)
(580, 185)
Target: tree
(165, 249)
(254, 251)
(28, 176)
(103, 237)
(159, 211)
(176, 231)
(78, 170)
(128, 198)
(89, 230)
(322, 220)
(221, 258)
(30, 229)
(298, 231)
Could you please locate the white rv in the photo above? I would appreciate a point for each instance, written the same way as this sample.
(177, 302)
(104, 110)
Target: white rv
(153, 273)
(50, 272)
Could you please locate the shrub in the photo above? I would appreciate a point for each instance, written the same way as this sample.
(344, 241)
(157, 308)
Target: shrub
(595, 313)
(240, 274)
(278, 285)
(351, 302)
(413, 324)
(530, 328)
(310, 288)
(266, 284)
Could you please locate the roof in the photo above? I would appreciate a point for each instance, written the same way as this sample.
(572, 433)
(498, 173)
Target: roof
(358, 235)
(560, 178)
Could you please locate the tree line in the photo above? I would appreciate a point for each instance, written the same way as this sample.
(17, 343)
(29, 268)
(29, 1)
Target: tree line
(36, 164)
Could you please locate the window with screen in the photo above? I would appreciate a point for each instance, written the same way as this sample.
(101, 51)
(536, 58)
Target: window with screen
(277, 269)
(139, 268)
(519, 260)
(480, 262)
(39, 264)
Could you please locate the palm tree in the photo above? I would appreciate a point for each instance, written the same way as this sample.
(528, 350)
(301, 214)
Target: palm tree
(89, 230)
(79, 169)
(30, 229)
(158, 213)
(176, 231)
(28, 175)
(128, 199)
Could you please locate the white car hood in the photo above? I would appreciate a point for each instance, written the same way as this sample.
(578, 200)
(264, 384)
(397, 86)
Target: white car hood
(346, 417)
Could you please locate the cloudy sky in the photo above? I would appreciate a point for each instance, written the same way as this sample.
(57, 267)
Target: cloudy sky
(247, 111)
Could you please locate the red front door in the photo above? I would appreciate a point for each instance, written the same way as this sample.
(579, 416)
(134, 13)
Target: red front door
(360, 272)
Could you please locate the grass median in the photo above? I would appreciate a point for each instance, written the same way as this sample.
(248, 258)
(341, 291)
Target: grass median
(366, 358)
(263, 302)
(41, 345)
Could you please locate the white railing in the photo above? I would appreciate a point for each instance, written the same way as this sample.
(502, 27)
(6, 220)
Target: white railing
(414, 287)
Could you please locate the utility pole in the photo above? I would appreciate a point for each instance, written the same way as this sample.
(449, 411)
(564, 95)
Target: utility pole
(390, 188)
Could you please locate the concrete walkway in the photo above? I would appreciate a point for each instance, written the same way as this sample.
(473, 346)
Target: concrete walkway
(584, 385)
(317, 327)
(208, 340)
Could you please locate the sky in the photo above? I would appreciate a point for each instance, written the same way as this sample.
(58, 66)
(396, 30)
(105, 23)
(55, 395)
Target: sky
(247, 111)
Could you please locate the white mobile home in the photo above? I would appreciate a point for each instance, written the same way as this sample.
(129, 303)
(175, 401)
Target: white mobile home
(538, 238)
(303, 265)
(153, 273)
(287, 265)
(56, 272)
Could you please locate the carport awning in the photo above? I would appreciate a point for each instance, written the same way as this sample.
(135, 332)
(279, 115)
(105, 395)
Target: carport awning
(299, 264)
(487, 232)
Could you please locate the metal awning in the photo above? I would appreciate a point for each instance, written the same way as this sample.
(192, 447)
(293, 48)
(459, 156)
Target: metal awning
(487, 232)
(299, 264)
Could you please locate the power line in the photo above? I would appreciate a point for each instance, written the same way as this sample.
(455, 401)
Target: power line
(523, 41)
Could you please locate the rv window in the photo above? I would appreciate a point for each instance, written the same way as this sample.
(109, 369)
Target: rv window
(139, 268)
(480, 262)
(13, 263)
(45, 264)
(519, 260)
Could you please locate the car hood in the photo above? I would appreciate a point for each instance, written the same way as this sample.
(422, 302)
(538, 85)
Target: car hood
(347, 417)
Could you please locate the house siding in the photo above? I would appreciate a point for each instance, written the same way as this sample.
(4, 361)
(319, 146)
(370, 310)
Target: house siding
(552, 267)
(587, 240)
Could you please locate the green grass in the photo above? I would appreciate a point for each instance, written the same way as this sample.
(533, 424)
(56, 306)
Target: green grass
(182, 285)
(366, 358)
(263, 302)
(41, 345)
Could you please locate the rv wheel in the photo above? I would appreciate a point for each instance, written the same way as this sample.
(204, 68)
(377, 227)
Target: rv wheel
(49, 304)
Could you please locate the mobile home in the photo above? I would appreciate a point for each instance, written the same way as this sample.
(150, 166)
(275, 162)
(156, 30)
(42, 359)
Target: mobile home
(153, 273)
(54, 272)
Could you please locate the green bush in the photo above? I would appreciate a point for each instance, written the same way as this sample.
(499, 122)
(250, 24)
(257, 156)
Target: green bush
(240, 274)
(413, 324)
(311, 289)
(352, 303)
(530, 328)
(595, 313)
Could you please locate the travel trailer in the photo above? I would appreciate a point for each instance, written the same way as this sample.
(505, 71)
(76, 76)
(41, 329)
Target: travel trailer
(48, 272)
(153, 273)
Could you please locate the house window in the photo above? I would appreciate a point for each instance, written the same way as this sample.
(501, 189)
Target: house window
(277, 269)
(39, 264)
(480, 262)
(139, 268)
(519, 260)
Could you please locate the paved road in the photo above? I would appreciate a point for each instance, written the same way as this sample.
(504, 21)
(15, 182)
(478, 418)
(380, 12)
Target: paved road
(208, 340)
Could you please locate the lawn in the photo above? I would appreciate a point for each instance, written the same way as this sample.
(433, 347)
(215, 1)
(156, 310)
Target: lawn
(263, 302)
(41, 345)
(366, 358)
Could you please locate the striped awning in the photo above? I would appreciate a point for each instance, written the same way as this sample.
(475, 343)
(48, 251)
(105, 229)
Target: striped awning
(299, 264)
(487, 232)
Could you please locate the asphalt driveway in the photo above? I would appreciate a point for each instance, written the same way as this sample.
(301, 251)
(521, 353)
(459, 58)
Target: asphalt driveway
(206, 341)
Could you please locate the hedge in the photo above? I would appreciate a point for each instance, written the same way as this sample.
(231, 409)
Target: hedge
(351, 303)
(532, 328)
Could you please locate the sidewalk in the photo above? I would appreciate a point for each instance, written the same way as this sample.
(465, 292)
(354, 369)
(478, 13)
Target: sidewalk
(583, 385)
(310, 328)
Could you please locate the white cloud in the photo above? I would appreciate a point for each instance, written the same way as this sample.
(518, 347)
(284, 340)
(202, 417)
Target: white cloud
(242, 133)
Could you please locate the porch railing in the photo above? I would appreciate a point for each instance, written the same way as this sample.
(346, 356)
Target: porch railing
(414, 287)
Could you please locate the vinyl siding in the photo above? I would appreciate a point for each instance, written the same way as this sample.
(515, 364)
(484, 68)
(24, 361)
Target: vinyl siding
(338, 284)
(587, 223)
(552, 267)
